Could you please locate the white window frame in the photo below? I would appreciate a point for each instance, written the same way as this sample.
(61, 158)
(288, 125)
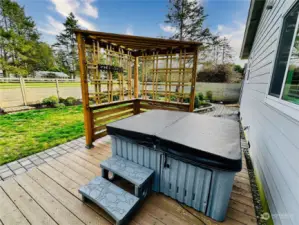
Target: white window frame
(288, 108)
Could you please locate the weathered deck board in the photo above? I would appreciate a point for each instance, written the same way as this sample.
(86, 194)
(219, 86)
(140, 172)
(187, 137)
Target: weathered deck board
(26, 204)
(82, 211)
(58, 181)
(54, 208)
(9, 213)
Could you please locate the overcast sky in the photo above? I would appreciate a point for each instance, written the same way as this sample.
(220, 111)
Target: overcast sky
(137, 17)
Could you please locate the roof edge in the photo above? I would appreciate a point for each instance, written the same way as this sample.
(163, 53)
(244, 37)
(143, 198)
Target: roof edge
(253, 19)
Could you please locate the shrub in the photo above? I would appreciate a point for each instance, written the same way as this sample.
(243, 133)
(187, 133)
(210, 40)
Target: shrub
(196, 102)
(51, 101)
(69, 101)
(104, 100)
(173, 98)
(203, 103)
(59, 105)
(200, 96)
(61, 100)
(186, 100)
(209, 95)
(115, 97)
(150, 96)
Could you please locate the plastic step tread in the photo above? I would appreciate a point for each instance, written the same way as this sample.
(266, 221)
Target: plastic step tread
(128, 170)
(115, 201)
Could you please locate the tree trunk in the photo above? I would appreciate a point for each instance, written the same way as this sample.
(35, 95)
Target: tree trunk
(181, 21)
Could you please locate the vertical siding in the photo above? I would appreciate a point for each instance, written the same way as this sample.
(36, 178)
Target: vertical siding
(274, 136)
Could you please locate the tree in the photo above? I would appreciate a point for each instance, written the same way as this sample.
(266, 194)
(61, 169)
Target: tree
(67, 47)
(187, 18)
(18, 38)
(226, 51)
(46, 59)
(219, 51)
(61, 61)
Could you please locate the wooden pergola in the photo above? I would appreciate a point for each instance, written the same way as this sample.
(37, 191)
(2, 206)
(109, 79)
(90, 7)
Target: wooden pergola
(124, 75)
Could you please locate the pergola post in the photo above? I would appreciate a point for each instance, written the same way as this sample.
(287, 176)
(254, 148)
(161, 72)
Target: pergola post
(136, 102)
(193, 80)
(84, 89)
(136, 81)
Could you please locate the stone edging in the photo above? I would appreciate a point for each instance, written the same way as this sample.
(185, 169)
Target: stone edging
(205, 109)
(22, 165)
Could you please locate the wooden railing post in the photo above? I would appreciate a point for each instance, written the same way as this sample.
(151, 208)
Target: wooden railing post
(136, 80)
(136, 106)
(193, 81)
(84, 89)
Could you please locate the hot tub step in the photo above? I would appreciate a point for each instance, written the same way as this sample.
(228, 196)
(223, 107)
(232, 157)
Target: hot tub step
(138, 175)
(115, 201)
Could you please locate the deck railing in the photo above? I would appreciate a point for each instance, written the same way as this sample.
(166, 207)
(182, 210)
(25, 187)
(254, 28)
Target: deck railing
(103, 114)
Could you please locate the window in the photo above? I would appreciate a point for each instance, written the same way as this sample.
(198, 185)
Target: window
(285, 79)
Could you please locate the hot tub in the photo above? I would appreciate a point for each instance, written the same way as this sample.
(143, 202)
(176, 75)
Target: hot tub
(195, 157)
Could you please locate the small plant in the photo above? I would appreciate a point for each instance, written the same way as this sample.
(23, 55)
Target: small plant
(69, 101)
(104, 100)
(150, 96)
(200, 96)
(51, 101)
(115, 97)
(186, 100)
(173, 98)
(59, 105)
(196, 102)
(203, 103)
(209, 95)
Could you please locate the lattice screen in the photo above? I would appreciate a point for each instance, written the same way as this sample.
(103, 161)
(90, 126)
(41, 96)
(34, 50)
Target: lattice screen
(166, 77)
(109, 70)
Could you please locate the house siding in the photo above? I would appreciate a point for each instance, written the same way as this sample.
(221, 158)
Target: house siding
(273, 135)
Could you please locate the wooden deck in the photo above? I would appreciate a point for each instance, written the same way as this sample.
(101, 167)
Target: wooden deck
(49, 194)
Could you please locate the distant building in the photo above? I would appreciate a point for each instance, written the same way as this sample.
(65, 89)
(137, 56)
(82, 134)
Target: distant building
(50, 74)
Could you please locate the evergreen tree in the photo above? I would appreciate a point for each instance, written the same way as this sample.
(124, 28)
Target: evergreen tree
(67, 47)
(18, 38)
(187, 16)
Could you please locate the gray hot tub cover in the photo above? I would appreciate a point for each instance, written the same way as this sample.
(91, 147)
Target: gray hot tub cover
(204, 140)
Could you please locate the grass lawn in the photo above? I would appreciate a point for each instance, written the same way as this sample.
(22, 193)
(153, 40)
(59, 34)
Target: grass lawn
(39, 85)
(26, 133)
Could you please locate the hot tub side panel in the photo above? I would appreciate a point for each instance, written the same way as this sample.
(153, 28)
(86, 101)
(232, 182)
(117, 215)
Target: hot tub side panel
(220, 191)
(139, 154)
(186, 183)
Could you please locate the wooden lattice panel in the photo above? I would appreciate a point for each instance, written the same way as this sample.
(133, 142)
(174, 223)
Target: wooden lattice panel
(109, 69)
(166, 77)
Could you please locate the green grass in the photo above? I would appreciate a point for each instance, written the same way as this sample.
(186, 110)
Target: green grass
(38, 85)
(26, 133)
